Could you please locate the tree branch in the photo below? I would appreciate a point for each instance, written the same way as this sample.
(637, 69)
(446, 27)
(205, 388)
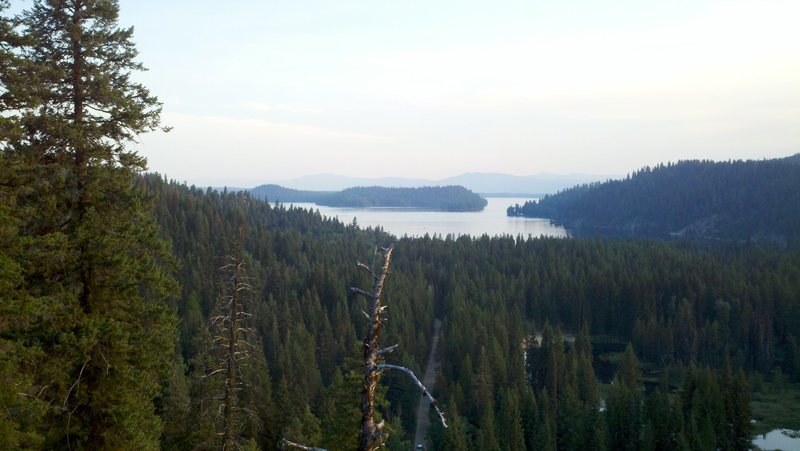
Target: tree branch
(366, 268)
(388, 349)
(386, 366)
(283, 443)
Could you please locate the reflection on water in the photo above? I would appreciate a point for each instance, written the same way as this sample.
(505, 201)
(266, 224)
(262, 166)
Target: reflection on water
(491, 221)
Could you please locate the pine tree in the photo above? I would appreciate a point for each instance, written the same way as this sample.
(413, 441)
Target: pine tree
(11, 69)
(342, 418)
(545, 436)
(455, 437)
(91, 258)
(793, 358)
(569, 418)
(738, 410)
(624, 405)
(659, 433)
(529, 414)
(487, 430)
(20, 408)
(509, 424)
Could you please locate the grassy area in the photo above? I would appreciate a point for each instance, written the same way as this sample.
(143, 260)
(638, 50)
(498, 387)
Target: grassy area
(774, 409)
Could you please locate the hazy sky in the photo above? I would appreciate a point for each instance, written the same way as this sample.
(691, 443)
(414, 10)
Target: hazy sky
(266, 90)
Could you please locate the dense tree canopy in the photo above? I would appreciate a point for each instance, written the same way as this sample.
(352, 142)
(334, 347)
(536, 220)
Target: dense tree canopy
(734, 200)
(439, 198)
(545, 343)
(87, 325)
(678, 304)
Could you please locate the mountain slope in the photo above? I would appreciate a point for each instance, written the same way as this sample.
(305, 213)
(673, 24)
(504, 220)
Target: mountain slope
(738, 200)
(538, 184)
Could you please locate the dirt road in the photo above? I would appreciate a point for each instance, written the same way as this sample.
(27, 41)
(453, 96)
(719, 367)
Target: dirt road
(423, 419)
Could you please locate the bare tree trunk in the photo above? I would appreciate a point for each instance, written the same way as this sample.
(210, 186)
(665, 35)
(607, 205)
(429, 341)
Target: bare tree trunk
(231, 370)
(370, 431)
(230, 336)
(371, 435)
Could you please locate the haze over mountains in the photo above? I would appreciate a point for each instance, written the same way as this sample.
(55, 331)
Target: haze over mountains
(484, 183)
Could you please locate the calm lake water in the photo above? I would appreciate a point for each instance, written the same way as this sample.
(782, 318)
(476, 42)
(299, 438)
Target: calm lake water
(782, 439)
(403, 221)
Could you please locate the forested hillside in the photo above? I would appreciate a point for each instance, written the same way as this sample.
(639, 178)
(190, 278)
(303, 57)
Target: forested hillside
(140, 314)
(695, 318)
(683, 310)
(437, 198)
(309, 327)
(734, 200)
(280, 194)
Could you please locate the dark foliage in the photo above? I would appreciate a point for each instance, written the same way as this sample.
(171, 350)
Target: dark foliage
(92, 357)
(678, 304)
(438, 198)
(734, 200)
(280, 194)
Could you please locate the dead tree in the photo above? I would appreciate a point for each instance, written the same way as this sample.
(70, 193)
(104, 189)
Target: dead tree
(231, 338)
(372, 435)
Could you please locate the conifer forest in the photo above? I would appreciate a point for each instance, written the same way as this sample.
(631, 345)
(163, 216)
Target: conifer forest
(140, 313)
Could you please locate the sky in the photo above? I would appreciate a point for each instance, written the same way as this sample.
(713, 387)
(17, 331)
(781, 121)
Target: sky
(260, 91)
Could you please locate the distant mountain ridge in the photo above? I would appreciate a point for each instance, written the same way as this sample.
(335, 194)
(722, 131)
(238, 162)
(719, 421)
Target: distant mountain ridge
(484, 183)
(734, 200)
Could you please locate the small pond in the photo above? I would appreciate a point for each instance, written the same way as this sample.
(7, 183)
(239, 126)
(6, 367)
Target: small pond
(782, 439)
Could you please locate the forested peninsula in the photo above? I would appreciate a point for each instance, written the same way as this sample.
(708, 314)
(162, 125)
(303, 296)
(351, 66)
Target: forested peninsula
(734, 200)
(450, 198)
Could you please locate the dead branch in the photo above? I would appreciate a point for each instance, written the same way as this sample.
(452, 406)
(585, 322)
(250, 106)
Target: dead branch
(388, 349)
(283, 443)
(77, 381)
(425, 392)
(365, 268)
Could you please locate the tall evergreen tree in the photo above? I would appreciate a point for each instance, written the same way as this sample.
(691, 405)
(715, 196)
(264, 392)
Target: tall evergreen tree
(737, 404)
(91, 258)
(662, 420)
(10, 69)
(624, 405)
(341, 423)
(18, 412)
(455, 437)
(20, 408)
(545, 436)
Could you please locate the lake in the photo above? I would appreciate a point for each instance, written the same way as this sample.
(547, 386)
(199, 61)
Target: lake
(406, 221)
(782, 439)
